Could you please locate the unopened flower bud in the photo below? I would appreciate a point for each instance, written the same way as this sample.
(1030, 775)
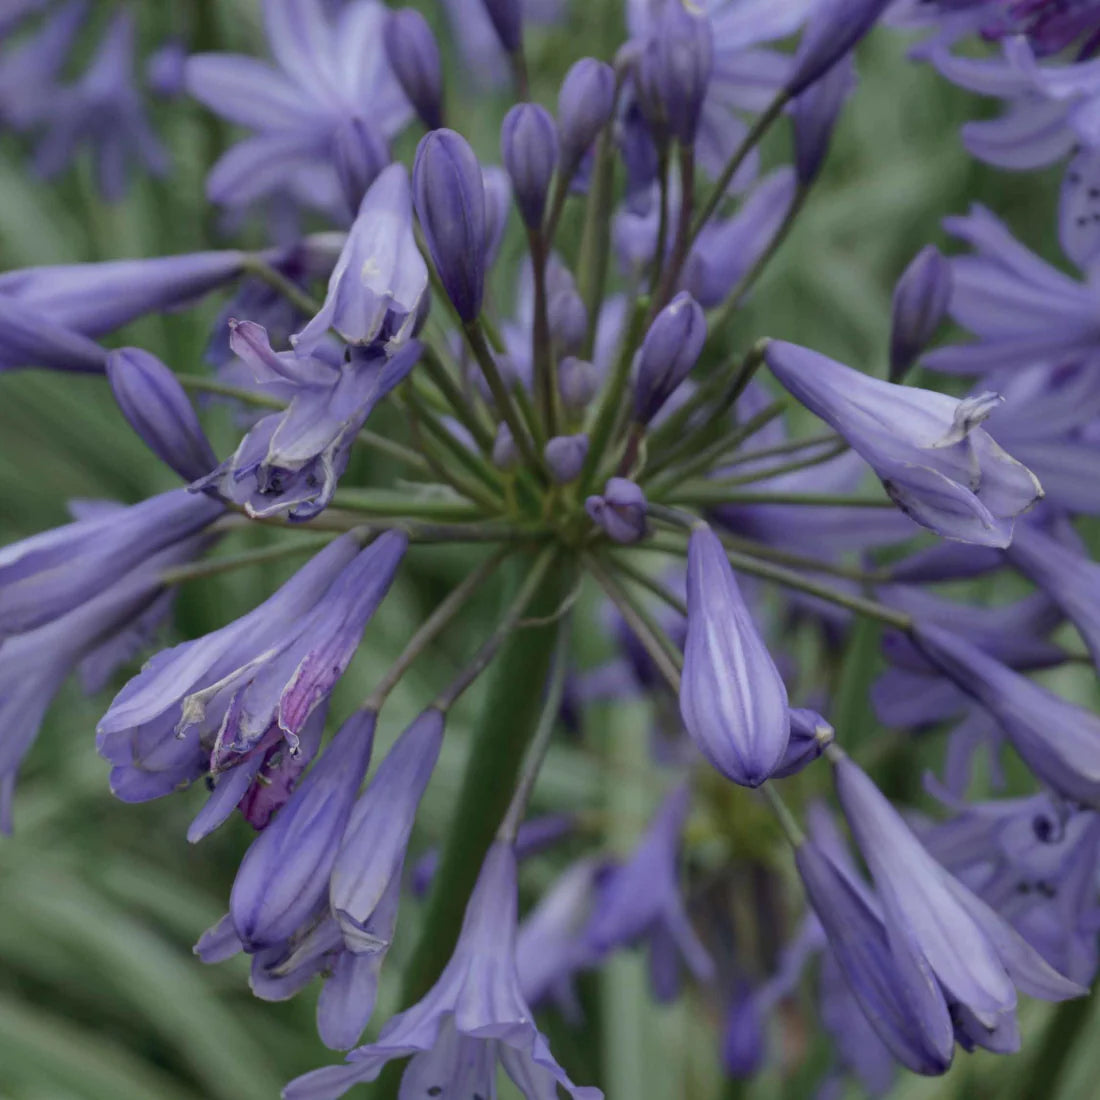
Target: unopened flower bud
(449, 195)
(810, 736)
(565, 455)
(835, 28)
(815, 113)
(675, 68)
(507, 19)
(670, 349)
(732, 698)
(165, 70)
(620, 511)
(414, 58)
(505, 454)
(359, 153)
(585, 103)
(153, 402)
(568, 319)
(529, 148)
(921, 298)
(498, 201)
(578, 381)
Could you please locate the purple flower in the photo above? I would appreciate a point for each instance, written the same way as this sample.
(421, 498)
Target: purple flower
(366, 878)
(358, 154)
(921, 299)
(94, 635)
(379, 282)
(732, 698)
(326, 72)
(811, 735)
(671, 347)
(449, 194)
(674, 70)
(103, 109)
(506, 17)
(585, 102)
(1060, 742)
(285, 872)
(166, 70)
(96, 298)
(939, 927)
(904, 1005)
(726, 250)
(565, 455)
(1021, 309)
(529, 149)
(834, 28)
(939, 467)
(1065, 574)
(473, 1018)
(578, 382)
(29, 69)
(52, 573)
(640, 900)
(815, 113)
(238, 700)
(290, 462)
(156, 407)
(620, 511)
(31, 338)
(414, 57)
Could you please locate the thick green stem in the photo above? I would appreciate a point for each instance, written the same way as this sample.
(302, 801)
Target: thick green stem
(508, 720)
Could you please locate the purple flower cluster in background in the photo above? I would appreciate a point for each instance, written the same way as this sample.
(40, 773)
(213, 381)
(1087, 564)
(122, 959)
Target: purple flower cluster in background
(589, 418)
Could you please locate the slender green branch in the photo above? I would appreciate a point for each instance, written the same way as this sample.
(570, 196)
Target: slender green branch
(452, 393)
(607, 412)
(212, 566)
(837, 447)
(712, 493)
(792, 446)
(543, 362)
(475, 335)
(786, 819)
(596, 235)
(385, 502)
(544, 733)
(681, 241)
(433, 626)
(663, 165)
(664, 654)
(762, 125)
(651, 584)
(305, 303)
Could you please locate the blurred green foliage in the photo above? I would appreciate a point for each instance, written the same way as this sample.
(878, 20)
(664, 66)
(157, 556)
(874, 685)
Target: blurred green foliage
(100, 997)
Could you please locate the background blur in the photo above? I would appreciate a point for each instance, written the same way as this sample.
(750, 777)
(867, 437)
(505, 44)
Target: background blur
(100, 996)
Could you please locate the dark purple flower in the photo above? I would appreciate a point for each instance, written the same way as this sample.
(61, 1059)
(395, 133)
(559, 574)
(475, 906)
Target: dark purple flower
(326, 72)
(507, 19)
(1060, 742)
(156, 407)
(240, 699)
(921, 298)
(290, 462)
(565, 455)
(815, 113)
(834, 28)
(529, 149)
(103, 109)
(641, 900)
(732, 698)
(670, 349)
(585, 103)
(414, 57)
(52, 573)
(620, 511)
(284, 874)
(674, 69)
(380, 279)
(96, 298)
(939, 467)
(449, 194)
(473, 1018)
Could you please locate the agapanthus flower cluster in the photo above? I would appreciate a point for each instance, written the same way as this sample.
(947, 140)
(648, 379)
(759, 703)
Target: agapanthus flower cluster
(590, 421)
